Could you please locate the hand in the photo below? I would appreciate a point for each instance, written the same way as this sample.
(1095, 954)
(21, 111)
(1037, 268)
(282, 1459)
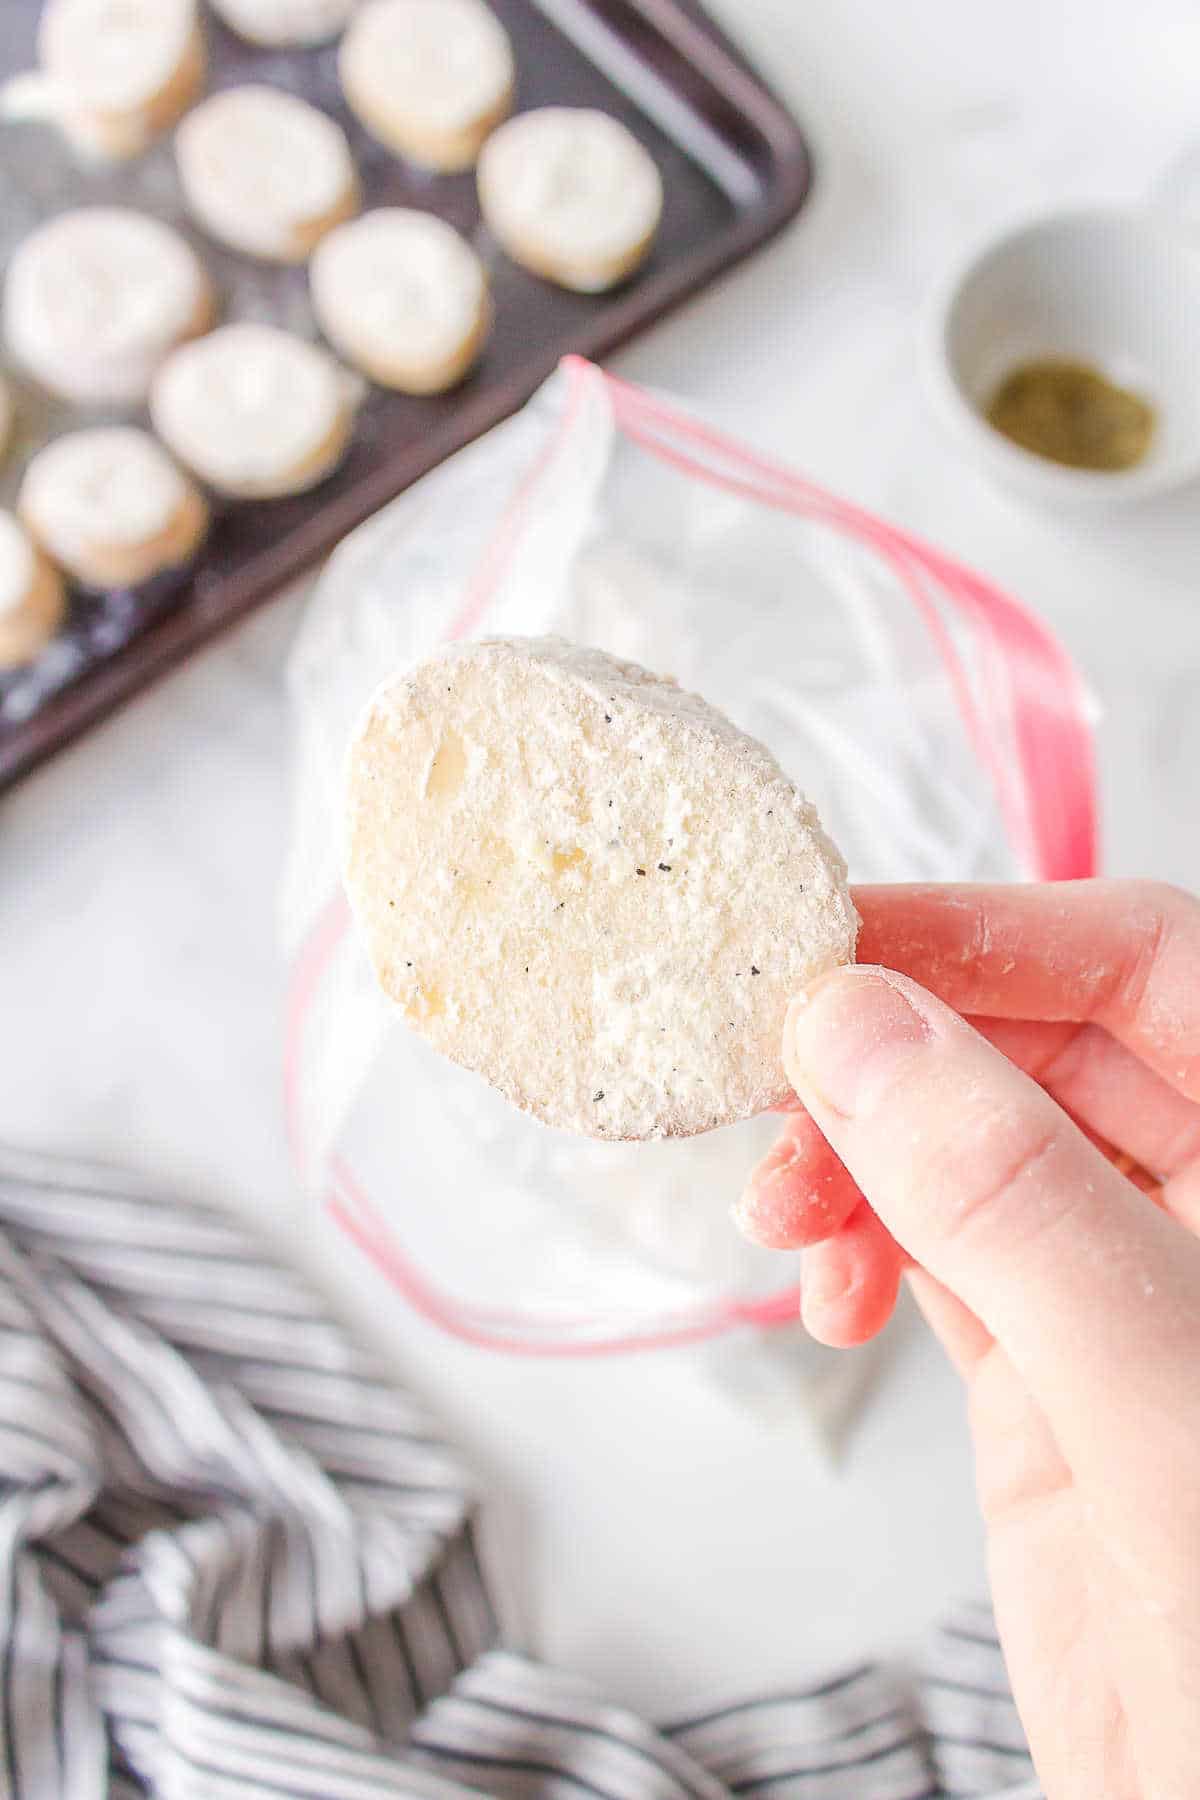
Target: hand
(988, 1157)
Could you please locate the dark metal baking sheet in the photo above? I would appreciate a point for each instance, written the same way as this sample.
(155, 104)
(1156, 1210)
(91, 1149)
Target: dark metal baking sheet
(735, 167)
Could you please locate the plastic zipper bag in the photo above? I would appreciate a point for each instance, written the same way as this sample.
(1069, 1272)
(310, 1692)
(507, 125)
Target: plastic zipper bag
(940, 728)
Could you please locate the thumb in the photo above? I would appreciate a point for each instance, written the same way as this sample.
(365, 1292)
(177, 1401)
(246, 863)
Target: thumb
(987, 1183)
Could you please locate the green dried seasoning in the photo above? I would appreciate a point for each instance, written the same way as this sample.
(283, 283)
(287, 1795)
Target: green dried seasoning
(1070, 413)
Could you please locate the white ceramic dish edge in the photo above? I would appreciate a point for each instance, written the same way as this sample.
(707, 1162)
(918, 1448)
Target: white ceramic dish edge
(1158, 352)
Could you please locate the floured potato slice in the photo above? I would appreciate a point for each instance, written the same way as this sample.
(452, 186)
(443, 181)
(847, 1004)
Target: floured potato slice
(32, 602)
(588, 886)
(97, 297)
(264, 172)
(119, 72)
(110, 507)
(571, 194)
(428, 78)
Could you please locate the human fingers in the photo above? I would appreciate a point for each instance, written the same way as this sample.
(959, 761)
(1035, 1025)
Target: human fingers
(1122, 954)
(961, 1334)
(1105, 1087)
(965, 1340)
(986, 1182)
(799, 1193)
(849, 1282)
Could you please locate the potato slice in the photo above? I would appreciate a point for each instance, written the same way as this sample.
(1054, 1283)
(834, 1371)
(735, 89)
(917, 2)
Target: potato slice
(588, 886)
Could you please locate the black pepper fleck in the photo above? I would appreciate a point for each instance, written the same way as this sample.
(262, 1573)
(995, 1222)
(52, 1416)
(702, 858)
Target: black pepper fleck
(755, 971)
(608, 718)
(560, 906)
(599, 1094)
(641, 871)
(408, 965)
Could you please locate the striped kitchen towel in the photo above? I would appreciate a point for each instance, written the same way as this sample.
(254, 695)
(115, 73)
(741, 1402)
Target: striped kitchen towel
(238, 1563)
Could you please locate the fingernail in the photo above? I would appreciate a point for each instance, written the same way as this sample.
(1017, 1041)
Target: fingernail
(846, 1036)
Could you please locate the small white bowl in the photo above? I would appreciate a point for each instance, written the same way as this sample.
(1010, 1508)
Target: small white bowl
(1117, 290)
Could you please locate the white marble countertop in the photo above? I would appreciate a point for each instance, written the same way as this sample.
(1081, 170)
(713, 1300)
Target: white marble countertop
(139, 971)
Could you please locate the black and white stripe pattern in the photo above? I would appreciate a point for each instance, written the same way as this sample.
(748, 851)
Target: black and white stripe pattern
(978, 1745)
(826, 1739)
(237, 1563)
